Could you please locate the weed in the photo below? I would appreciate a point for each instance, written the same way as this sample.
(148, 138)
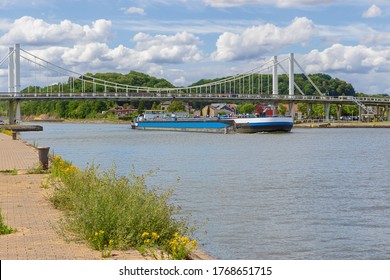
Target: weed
(181, 246)
(102, 207)
(10, 171)
(7, 132)
(4, 229)
(101, 242)
(37, 170)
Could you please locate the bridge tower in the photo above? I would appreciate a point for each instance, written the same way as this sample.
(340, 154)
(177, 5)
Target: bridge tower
(14, 82)
(291, 83)
(291, 75)
(275, 81)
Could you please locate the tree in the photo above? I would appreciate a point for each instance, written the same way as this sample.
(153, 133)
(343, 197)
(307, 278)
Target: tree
(246, 108)
(282, 110)
(176, 106)
(141, 107)
(154, 106)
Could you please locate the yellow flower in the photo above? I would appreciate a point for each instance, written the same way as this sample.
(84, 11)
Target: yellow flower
(73, 168)
(184, 239)
(145, 234)
(146, 241)
(155, 235)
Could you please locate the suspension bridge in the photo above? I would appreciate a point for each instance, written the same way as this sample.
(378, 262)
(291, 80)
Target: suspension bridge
(252, 86)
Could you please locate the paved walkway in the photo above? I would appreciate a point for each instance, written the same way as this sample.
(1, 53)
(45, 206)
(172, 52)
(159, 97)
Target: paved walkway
(25, 207)
(15, 154)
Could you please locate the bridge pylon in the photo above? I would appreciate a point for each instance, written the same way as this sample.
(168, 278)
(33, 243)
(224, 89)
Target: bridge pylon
(275, 82)
(14, 83)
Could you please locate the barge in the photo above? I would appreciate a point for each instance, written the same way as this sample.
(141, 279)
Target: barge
(155, 120)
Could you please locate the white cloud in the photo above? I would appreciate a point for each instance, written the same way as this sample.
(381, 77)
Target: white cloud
(179, 48)
(148, 55)
(91, 53)
(134, 10)
(263, 39)
(373, 11)
(351, 59)
(85, 48)
(32, 31)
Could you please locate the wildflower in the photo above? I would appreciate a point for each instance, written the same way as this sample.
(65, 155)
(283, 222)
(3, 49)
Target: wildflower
(155, 235)
(184, 240)
(145, 234)
(73, 168)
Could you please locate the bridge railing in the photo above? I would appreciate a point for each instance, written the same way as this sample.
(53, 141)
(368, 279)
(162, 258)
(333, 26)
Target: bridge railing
(181, 95)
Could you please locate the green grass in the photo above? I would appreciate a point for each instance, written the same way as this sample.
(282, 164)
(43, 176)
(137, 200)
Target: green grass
(4, 229)
(9, 171)
(118, 212)
(7, 132)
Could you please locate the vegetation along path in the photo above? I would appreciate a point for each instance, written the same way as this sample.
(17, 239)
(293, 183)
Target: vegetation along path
(25, 208)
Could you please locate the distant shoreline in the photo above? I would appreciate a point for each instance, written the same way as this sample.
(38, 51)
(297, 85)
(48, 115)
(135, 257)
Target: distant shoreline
(385, 124)
(92, 121)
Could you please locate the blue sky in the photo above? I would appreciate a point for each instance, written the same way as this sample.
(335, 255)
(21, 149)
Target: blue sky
(187, 40)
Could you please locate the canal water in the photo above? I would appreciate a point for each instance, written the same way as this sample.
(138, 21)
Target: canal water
(308, 194)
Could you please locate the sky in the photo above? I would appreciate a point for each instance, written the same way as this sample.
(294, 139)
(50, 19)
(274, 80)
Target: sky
(184, 41)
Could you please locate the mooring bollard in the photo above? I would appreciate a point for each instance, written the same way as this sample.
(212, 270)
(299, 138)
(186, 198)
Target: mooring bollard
(14, 135)
(43, 153)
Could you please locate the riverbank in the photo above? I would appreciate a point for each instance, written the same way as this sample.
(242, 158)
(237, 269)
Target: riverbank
(26, 208)
(385, 124)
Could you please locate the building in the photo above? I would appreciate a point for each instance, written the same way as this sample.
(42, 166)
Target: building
(215, 109)
(122, 112)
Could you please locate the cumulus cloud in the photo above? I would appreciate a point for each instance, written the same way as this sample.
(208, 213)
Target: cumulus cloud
(149, 53)
(352, 59)
(86, 48)
(179, 48)
(278, 3)
(91, 53)
(263, 39)
(134, 10)
(373, 11)
(32, 31)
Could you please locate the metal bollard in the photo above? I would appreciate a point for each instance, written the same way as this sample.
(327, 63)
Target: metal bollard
(43, 153)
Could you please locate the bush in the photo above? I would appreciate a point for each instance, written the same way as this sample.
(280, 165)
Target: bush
(4, 229)
(112, 211)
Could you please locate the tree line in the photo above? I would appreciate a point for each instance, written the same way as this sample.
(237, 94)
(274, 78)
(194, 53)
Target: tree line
(262, 84)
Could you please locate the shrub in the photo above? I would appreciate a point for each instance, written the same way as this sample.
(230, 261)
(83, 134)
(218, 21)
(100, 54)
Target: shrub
(111, 211)
(4, 229)
(7, 132)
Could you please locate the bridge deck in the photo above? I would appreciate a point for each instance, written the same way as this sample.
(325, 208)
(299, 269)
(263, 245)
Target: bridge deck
(223, 97)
